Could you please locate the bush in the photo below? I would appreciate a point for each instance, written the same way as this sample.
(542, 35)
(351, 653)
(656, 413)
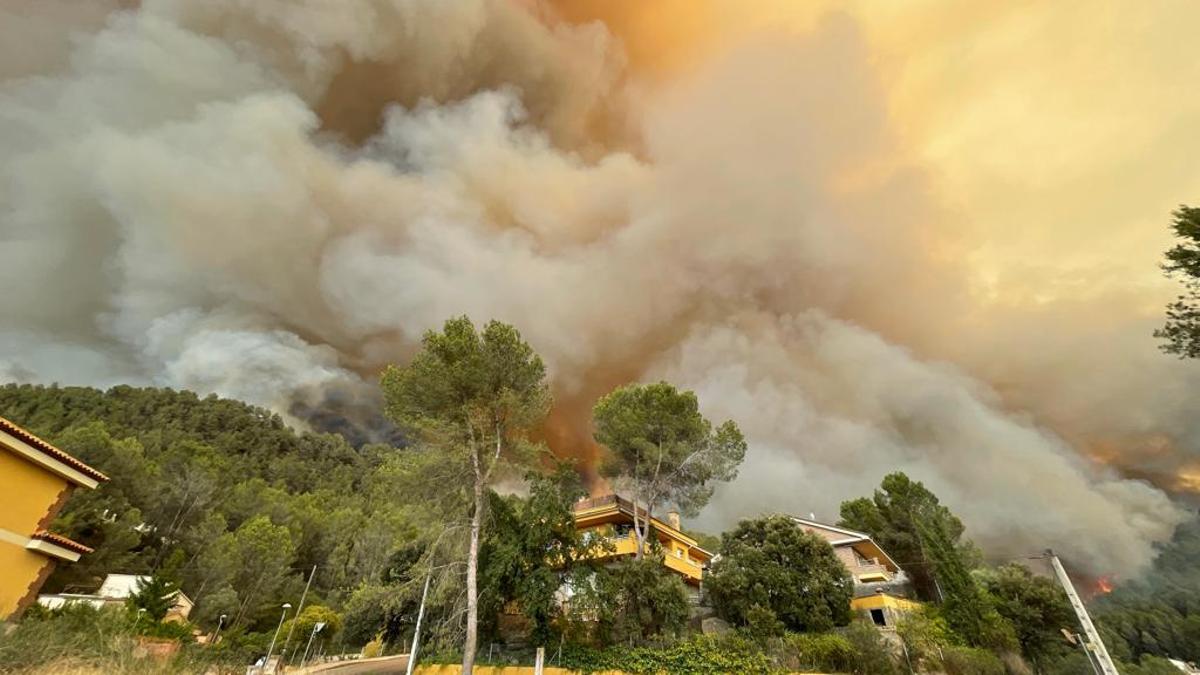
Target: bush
(1150, 665)
(828, 652)
(971, 661)
(77, 631)
(925, 634)
(373, 648)
(170, 630)
(773, 576)
(872, 656)
(631, 602)
(698, 655)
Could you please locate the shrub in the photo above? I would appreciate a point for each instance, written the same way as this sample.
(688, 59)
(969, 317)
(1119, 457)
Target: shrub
(373, 648)
(761, 623)
(773, 576)
(817, 651)
(78, 631)
(170, 630)
(698, 655)
(925, 634)
(971, 661)
(633, 602)
(82, 637)
(872, 656)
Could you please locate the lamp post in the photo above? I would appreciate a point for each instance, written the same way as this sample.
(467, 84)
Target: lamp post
(271, 649)
(316, 629)
(220, 623)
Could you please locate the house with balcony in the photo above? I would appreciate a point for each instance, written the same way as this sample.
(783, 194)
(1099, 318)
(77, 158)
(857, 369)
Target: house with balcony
(609, 518)
(36, 479)
(882, 591)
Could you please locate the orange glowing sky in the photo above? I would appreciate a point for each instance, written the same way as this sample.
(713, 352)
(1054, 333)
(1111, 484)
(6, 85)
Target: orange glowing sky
(1061, 134)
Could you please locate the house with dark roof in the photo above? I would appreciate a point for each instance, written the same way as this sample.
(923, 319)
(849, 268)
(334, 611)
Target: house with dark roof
(36, 479)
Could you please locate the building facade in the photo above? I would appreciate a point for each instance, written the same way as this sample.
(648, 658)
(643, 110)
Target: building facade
(36, 479)
(882, 591)
(114, 591)
(610, 518)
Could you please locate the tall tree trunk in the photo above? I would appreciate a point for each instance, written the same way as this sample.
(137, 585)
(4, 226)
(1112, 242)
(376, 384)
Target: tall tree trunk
(641, 528)
(468, 663)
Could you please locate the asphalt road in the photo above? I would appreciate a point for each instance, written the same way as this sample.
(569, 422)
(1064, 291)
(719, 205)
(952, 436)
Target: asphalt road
(385, 664)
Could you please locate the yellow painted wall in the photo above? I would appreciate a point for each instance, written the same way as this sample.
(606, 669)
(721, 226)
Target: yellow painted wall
(497, 670)
(510, 670)
(881, 601)
(627, 545)
(27, 491)
(20, 568)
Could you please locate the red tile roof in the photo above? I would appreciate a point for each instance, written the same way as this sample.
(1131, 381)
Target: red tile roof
(59, 540)
(38, 444)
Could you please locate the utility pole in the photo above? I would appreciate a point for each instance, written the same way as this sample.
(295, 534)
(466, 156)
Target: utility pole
(1093, 644)
(412, 655)
(271, 649)
(288, 640)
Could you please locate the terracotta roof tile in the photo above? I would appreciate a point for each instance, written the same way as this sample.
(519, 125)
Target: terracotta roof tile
(59, 540)
(50, 450)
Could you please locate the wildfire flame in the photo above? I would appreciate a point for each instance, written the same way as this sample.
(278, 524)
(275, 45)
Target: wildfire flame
(1104, 585)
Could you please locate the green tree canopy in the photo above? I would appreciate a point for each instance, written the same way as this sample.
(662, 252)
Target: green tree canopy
(155, 596)
(187, 470)
(1036, 607)
(473, 397)
(893, 516)
(302, 626)
(771, 571)
(1182, 329)
(663, 450)
(632, 601)
(909, 522)
(532, 550)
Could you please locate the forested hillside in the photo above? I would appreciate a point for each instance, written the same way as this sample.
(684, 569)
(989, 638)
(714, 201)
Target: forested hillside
(219, 494)
(1159, 614)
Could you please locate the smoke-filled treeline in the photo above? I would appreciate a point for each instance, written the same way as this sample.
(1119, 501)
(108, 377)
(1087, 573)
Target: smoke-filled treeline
(272, 200)
(218, 495)
(1159, 614)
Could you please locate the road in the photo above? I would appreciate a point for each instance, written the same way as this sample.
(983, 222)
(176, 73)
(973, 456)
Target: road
(384, 664)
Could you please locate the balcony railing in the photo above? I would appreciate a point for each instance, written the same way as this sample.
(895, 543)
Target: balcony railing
(873, 572)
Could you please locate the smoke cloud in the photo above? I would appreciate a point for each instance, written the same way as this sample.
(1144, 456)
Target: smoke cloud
(272, 200)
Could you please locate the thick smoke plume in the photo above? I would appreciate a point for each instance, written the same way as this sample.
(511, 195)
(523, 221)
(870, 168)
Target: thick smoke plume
(271, 200)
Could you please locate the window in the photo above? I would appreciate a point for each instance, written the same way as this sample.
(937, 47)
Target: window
(878, 618)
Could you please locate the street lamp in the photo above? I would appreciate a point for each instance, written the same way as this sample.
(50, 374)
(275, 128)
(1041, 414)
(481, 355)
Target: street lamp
(220, 622)
(316, 629)
(271, 649)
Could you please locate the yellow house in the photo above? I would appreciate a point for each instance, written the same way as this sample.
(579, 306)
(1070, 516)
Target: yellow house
(876, 576)
(611, 517)
(36, 479)
(884, 609)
